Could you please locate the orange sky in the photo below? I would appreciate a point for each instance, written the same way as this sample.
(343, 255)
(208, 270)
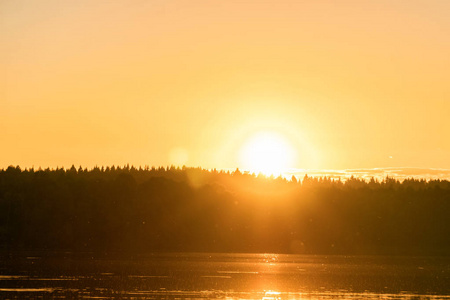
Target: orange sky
(349, 84)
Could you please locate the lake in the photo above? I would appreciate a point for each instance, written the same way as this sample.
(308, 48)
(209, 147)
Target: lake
(51, 275)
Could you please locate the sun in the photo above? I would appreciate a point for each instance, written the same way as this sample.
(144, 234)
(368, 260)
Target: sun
(268, 153)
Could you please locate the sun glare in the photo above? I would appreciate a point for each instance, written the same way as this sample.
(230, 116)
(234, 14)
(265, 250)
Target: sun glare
(268, 153)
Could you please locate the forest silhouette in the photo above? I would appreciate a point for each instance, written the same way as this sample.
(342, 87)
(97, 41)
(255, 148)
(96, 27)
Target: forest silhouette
(133, 210)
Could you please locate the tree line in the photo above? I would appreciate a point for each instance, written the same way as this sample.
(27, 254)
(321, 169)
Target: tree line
(133, 209)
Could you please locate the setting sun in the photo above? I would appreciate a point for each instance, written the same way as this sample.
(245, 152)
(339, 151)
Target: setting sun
(268, 153)
(252, 150)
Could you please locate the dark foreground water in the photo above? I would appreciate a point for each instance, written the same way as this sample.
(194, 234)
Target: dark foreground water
(221, 276)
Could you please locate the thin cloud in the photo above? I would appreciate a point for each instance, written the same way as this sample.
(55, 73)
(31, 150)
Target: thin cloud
(378, 173)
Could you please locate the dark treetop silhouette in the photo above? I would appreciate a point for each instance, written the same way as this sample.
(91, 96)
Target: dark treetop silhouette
(191, 209)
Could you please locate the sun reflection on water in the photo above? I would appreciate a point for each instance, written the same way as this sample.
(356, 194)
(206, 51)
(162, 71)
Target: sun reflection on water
(271, 258)
(271, 295)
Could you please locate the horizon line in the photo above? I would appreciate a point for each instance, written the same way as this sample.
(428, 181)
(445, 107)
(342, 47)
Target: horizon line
(363, 173)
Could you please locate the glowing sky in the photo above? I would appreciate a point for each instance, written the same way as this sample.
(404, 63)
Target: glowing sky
(349, 84)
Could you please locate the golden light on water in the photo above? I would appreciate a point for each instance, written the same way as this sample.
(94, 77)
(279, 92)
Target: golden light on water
(268, 153)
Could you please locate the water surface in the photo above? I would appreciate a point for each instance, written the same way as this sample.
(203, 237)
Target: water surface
(221, 276)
